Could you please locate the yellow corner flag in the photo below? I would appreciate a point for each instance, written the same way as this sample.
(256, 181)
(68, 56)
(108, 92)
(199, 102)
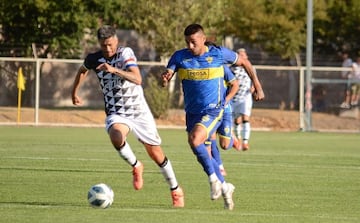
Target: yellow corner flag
(21, 87)
(21, 80)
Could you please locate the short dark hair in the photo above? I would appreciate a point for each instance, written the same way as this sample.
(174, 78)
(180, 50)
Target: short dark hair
(105, 32)
(192, 29)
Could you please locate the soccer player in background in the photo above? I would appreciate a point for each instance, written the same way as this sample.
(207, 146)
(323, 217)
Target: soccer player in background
(126, 108)
(200, 69)
(242, 103)
(347, 62)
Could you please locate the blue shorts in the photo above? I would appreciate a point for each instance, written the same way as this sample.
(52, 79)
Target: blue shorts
(210, 121)
(225, 127)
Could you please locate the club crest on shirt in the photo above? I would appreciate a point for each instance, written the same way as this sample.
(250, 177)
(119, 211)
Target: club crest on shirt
(209, 59)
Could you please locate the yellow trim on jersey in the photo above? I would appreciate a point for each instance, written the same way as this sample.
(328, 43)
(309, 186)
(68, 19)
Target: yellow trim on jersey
(201, 74)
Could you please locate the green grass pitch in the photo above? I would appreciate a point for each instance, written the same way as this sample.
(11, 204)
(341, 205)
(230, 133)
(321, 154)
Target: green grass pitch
(45, 174)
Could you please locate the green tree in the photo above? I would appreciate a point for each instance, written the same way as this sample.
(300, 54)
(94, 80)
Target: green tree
(277, 26)
(164, 21)
(341, 31)
(56, 27)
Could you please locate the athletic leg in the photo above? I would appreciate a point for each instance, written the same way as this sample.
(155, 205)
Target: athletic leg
(117, 133)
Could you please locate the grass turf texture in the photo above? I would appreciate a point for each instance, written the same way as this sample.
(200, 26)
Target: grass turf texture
(286, 177)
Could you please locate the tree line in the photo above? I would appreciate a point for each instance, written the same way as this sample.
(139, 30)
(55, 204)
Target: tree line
(62, 29)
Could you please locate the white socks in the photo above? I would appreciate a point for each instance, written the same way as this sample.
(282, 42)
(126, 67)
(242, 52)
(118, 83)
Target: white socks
(127, 154)
(168, 173)
(245, 132)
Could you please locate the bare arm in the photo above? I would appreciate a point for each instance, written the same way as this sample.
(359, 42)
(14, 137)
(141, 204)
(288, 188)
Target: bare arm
(80, 76)
(259, 93)
(132, 74)
(234, 87)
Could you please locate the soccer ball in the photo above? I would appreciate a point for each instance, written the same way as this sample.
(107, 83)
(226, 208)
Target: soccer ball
(100, 196)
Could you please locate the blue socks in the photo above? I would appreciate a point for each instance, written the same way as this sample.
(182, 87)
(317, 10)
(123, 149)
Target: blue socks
(209, 165)
(215, 151)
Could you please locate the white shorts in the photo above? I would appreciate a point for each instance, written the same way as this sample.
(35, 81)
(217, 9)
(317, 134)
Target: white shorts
(243, 107)
(143, 127)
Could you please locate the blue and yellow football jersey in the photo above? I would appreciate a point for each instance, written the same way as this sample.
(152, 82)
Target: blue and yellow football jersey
(202, 77)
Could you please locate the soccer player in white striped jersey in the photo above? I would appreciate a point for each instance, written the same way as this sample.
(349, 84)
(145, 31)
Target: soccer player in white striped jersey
(126, 108)
(242, 103)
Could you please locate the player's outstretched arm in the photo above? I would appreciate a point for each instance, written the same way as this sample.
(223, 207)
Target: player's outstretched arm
(259, 93)
(79, 78)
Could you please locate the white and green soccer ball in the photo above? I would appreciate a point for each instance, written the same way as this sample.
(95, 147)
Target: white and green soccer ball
(100, 196)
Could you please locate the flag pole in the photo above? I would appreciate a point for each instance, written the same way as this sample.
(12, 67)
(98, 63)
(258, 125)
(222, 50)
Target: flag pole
(19, 106)
(21, 87)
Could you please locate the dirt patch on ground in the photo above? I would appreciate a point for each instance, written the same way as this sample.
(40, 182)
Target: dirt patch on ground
(262, 119)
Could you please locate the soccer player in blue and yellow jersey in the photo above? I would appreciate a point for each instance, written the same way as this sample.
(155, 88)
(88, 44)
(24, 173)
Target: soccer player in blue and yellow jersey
(200, 69)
